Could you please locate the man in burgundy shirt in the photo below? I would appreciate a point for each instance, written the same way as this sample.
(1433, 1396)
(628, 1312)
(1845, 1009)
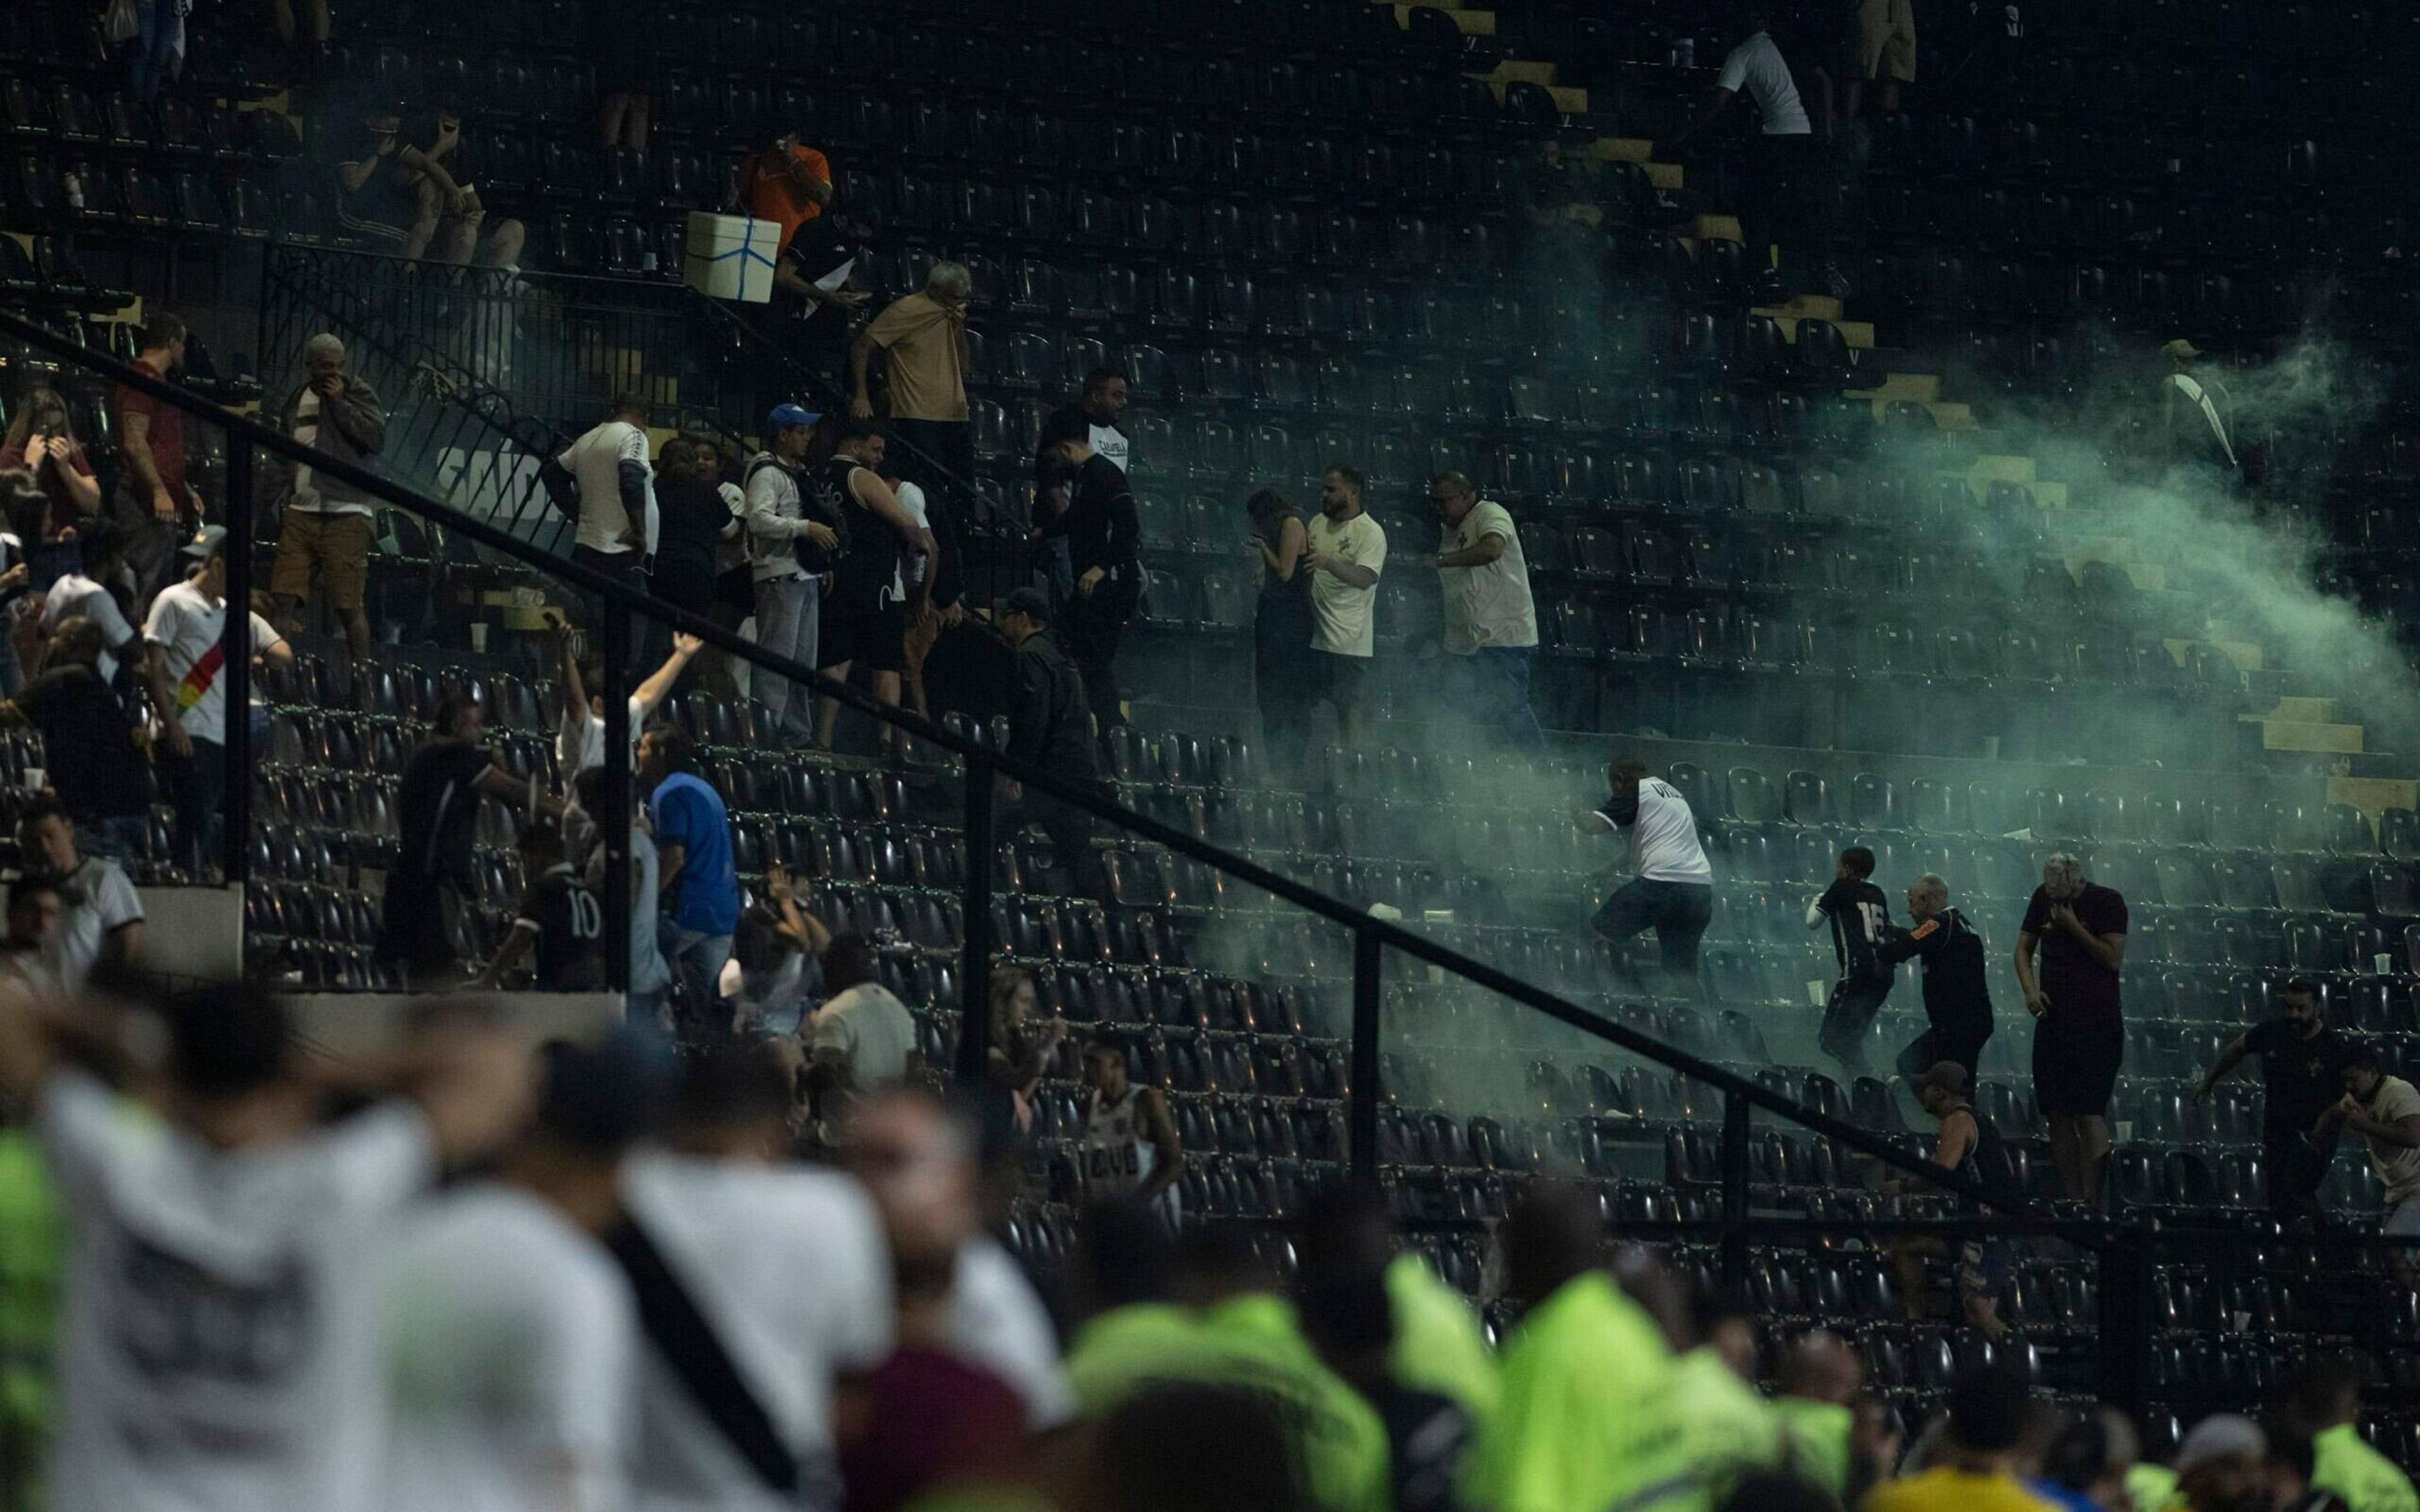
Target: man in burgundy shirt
(154, 498)
(2079, 1026)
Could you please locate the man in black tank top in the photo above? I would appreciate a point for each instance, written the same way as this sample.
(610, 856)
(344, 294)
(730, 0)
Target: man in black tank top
(865, 616)
(1968, 1144)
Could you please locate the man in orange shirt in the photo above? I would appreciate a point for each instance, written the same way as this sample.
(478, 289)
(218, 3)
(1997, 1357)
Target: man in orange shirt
(785, 183)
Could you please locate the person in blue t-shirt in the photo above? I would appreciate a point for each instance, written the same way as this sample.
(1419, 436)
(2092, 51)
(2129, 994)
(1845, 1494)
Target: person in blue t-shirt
(698, 888)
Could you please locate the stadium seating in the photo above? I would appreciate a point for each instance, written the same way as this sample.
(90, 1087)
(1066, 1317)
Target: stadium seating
(1758, 539)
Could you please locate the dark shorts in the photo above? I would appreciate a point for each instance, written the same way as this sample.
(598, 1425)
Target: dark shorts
(2075, 1065)
(1340, 680)
(1848, 1014)
(879, 641)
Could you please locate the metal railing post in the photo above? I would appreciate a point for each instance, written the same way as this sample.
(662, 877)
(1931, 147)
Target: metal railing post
(234, 809)
(974, 963)
(2125, 1288)
(620, 804)
(1361, 1106)
(1735, 1139)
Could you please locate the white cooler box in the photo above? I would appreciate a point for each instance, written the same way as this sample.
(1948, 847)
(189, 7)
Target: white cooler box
(730, 256)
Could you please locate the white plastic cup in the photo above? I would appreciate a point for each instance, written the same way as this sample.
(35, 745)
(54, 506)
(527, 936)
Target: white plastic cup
(1817, 994)
(37, 780)
(479, 636)
(2382, 964)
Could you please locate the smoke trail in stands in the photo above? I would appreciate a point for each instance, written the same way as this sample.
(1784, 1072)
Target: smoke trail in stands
(2199, 559)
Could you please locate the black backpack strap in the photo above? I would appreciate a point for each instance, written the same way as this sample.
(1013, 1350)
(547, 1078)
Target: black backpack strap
(689, 1344)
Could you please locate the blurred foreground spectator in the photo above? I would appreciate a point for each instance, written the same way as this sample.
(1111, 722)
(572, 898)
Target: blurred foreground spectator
(206, 1233)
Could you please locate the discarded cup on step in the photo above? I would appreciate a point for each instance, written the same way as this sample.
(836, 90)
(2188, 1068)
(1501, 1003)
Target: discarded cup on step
(2382, 964)
(1817, 994)
(479, 636)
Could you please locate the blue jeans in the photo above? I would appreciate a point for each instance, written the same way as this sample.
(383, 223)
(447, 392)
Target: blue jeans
(789, 616)
(696, 958)
(1498, 681)
(154, 60)
(123, 838)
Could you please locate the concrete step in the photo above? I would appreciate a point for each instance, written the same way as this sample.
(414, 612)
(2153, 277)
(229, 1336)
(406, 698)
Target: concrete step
(1811, 308)
(2373, 795)
(1524, 70)
(2305, 734)
(2246, 654)
(2306, 710)
(1924, 388)
(1569, 100)
(1473, 23)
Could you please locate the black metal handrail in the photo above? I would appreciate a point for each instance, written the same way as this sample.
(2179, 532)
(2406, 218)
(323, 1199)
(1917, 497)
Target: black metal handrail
(1372, 933)
(2126, 1251)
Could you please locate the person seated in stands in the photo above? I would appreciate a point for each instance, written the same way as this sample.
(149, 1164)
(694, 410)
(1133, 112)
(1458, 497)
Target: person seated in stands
(94, 755)
(407, 204)
(99, 923)
(472, 233)
(32, 922)
(775, 961)
(863, 1041)
(42, 439)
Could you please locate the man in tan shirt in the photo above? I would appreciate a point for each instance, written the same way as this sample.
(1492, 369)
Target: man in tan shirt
(923, 338)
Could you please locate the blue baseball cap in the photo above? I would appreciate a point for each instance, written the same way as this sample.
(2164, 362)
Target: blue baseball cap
(787, 415)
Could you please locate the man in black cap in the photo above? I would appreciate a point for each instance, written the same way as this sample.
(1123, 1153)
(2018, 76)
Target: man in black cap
(1049, 727)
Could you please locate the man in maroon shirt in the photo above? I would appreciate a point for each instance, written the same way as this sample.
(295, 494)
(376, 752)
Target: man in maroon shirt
(153, 498)
(2079, 1026)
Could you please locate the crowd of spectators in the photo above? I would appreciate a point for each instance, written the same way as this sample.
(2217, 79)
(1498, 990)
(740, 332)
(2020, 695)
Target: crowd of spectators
(764, 1276)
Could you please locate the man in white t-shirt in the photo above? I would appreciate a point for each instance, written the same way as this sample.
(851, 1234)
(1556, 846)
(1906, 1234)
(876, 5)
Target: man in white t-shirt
(918, 1159)
(1672, 889)
(2386, 1111)
(788, 1265)
(580, 729)
(607, 474)
(219, 1328)
(1489, 623)
(513, 1342)
(102, 545)
(100, 916)
(1346, 553)
(1782, 158)
(186, 634)
(329, 525)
